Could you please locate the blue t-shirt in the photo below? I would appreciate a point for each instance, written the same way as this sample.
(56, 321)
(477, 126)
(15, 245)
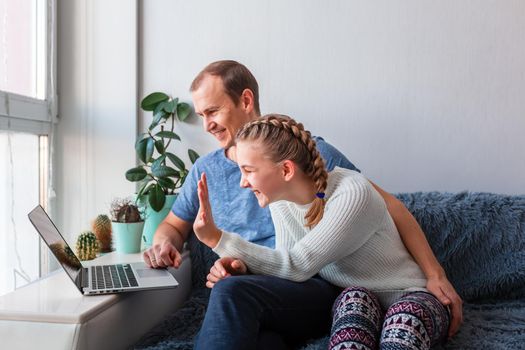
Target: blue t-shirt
(235, 209)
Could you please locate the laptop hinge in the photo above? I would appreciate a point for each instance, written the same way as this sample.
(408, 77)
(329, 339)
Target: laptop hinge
(84, 278)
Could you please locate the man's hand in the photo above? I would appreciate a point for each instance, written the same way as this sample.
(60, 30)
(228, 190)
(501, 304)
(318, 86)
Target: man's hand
(162, 255)
(442, 289)
(204, 226)
(225, 267)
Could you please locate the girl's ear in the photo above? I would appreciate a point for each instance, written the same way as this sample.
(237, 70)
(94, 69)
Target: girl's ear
(288, 169)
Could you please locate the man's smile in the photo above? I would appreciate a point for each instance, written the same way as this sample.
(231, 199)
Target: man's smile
(218, 133)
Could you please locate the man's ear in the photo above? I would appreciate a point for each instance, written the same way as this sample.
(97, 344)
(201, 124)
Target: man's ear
(288, 169)
(247, 100)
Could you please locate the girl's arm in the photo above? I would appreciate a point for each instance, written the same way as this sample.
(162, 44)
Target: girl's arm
(350, 218)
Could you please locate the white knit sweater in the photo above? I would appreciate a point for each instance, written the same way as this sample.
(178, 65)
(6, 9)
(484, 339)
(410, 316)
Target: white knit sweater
(355, 244)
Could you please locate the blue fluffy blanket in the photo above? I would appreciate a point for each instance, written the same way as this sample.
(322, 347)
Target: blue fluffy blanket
(479, 238)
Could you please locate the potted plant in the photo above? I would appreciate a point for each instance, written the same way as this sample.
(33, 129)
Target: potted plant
(160, 172)
(127, 225)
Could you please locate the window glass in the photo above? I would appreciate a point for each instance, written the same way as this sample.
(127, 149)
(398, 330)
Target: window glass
(19, 194)
(23, 47)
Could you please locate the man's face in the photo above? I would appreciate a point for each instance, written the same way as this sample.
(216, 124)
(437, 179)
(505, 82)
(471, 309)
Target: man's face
(220, 116)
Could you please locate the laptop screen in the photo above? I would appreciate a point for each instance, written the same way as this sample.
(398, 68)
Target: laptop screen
(54, 240)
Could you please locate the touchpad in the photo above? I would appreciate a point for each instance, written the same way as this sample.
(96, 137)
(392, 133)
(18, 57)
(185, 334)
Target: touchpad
(145, 273)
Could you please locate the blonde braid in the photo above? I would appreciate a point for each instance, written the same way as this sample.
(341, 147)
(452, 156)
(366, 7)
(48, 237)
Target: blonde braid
(284, 138)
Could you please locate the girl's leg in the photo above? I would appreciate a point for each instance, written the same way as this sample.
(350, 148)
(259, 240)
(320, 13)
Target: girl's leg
(417, 321)
(356, 320)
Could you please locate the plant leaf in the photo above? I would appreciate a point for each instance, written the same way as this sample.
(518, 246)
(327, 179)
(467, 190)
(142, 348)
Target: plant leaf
(152, 100)
(164, 171)
(158, 162)
(166, 182)
(141, 146)
(159, 107)
(193, 155)
(144, 190)
(136, 174)
(176, 161)
(150, 147)
(156, 197)
(159, 145)
(157, 119)
(171, 106)
(183, 175)
(183, 111)
(168, 134)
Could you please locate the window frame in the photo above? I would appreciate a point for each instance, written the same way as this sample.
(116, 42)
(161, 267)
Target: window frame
(24, 113)
(20, 113)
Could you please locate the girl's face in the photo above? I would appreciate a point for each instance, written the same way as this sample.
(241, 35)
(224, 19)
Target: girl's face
(260, 174)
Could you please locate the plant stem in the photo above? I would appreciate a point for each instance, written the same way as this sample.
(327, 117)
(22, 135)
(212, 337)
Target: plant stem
(157, 181)
(172, 127)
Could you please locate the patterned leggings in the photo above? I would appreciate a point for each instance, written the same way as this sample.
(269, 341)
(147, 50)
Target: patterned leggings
(416, 321)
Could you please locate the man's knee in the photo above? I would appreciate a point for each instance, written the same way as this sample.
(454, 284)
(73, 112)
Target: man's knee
(237, 295)
(234, 289)
(230, 285)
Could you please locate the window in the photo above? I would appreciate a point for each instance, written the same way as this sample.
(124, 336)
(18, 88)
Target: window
(23, 47)
(27, 117)
(19, 193)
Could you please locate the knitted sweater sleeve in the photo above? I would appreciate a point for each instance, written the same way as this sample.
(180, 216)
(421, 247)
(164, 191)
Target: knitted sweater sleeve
(349, 220)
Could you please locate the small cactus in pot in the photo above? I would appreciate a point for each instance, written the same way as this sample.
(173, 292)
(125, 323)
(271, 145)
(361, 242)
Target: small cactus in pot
(125, 210)
(87, 246)
(102, 229)
(127, 224)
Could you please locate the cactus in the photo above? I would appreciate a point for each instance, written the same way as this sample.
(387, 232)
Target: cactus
(87, 246)
(124, 210)
(102, 229)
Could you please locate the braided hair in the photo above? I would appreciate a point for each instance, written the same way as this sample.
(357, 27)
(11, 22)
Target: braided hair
(284, 138)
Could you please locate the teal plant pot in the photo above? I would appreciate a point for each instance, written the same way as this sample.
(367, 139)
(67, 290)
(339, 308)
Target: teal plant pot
(127, 237)
(154, 218)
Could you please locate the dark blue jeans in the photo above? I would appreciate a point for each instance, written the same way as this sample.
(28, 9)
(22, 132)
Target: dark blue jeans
(265, 312)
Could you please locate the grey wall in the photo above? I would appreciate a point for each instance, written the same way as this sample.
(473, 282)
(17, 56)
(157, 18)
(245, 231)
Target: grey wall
(97, 88)
(421, 95)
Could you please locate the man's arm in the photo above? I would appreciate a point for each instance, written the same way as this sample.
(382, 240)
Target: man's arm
(416, 243)
(411, 234)
(168, 241)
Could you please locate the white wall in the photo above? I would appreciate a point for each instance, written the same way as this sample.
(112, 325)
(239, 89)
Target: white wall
(94, 141)
(421, 95)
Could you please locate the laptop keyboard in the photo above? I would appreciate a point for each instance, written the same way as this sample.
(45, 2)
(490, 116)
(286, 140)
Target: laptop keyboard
(112, 276)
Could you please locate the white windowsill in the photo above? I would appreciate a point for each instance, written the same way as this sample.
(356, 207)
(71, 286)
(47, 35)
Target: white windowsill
(83, 321)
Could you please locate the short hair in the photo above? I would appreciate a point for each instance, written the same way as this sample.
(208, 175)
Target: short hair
(235, 78)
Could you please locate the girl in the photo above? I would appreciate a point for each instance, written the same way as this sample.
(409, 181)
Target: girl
(337, 226)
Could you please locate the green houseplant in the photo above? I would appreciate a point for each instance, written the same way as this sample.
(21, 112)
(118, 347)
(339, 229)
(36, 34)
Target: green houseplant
(160, 171)
(127, 224)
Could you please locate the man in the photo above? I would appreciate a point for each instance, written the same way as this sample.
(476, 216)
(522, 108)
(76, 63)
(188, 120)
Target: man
(225, 95)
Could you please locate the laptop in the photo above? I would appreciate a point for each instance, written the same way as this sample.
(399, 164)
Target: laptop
(101, 279)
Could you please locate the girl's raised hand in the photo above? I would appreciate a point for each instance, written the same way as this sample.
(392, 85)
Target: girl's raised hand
(204, 226)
